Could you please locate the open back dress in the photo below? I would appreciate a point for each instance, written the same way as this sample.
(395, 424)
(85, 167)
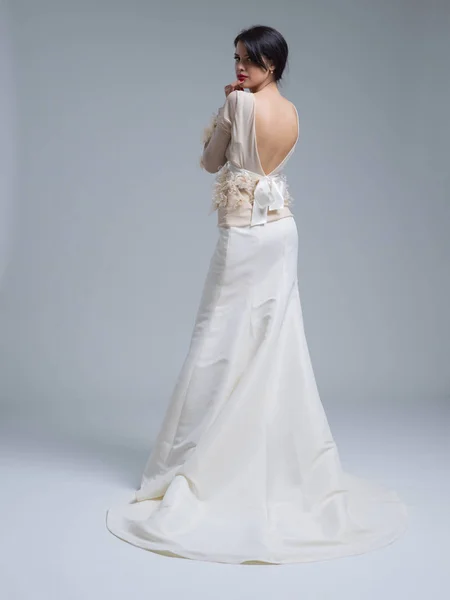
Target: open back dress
(245, 468)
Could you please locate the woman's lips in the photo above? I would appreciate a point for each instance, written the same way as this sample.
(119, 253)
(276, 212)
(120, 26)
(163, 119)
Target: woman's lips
(242, 77)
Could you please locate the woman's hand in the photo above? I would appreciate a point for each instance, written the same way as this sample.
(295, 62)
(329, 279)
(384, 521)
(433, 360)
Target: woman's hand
(236, 85)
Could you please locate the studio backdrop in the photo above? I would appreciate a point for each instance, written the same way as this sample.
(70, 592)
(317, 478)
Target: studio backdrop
(105, 236)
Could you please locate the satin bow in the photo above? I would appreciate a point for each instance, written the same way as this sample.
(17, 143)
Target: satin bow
(268, 195)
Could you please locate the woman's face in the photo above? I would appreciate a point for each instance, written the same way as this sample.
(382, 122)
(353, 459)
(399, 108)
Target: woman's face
(254, 75)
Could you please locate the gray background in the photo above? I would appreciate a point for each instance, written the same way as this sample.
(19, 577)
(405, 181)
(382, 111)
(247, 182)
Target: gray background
(105, 241)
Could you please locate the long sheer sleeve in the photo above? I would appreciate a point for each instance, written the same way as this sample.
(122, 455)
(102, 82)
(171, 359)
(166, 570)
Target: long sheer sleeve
(217, 135)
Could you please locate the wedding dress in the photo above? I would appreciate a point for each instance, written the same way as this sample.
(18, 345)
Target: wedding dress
(245, 468)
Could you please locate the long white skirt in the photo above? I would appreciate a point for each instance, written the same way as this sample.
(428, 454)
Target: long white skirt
(245, 468)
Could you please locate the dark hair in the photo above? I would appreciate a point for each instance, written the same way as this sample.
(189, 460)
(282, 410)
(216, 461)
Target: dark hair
(261, 40)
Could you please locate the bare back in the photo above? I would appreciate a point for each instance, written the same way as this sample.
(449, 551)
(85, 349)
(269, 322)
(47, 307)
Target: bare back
(276, 130)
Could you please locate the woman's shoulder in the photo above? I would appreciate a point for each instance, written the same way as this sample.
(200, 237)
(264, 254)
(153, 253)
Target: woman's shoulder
(234, 103)
(239, 101)
(235, 96)
(236, 93)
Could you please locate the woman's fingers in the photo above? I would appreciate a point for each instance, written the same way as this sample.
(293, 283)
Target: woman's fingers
(236, 85)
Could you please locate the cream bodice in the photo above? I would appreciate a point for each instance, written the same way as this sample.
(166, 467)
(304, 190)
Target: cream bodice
(243, 194)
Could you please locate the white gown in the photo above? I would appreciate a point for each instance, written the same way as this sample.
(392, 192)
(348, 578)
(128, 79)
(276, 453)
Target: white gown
(245, 468)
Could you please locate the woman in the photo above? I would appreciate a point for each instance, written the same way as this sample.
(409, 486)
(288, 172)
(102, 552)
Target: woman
(245, 468)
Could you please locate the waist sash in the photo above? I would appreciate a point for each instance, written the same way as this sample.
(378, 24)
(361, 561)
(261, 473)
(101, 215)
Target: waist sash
(268, 195)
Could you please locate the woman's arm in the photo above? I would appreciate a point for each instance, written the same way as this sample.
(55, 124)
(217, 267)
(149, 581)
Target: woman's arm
(217, 135)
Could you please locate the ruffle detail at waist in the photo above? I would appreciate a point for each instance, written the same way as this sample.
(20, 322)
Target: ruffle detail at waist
(232, 188)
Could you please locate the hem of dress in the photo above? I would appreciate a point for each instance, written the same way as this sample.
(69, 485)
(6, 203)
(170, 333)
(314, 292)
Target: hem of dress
(158, 548)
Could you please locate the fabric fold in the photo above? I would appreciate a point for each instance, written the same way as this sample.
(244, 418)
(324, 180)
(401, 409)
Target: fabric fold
(245, 468)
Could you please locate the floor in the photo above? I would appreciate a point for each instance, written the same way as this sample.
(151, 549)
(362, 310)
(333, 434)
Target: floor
(57, 487)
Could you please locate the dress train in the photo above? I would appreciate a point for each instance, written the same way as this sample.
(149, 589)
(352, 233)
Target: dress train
(245, 468)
